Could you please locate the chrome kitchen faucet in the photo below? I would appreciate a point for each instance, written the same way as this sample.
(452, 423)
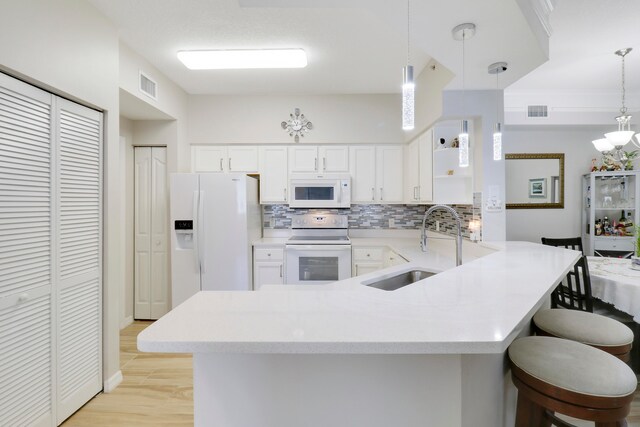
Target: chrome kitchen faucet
(423, 237)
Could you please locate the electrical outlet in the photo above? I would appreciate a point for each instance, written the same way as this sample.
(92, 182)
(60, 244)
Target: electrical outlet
(392, 223)
(272, 222)
(437, 225)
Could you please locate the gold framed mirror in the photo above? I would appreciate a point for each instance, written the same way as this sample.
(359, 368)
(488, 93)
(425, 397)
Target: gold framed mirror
(534, 180)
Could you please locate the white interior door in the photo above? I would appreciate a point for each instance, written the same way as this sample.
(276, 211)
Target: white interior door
(151, 290)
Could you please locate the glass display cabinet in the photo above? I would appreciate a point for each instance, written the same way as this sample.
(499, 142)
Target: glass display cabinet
(610, 213)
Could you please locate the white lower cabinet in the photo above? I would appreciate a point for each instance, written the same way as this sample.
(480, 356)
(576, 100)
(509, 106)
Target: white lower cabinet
(367, 259)
(268, 266)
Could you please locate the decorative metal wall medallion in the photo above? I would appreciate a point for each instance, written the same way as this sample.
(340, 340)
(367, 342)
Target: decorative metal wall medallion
(297, 125)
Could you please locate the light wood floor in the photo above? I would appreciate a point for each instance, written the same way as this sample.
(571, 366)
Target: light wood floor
(157, 390)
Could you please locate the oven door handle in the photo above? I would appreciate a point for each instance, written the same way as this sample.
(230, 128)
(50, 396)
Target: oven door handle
(318, 247)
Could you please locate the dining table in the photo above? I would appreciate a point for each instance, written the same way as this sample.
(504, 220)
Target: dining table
(615, 282)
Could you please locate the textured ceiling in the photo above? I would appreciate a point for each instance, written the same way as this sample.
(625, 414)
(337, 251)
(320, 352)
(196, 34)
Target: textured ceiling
(353, 46)
(586, 33)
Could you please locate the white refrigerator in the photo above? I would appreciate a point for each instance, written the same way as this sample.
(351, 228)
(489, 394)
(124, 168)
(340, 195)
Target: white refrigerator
(214, 219)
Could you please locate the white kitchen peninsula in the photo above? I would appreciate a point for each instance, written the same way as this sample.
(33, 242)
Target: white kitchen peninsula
(429, 354)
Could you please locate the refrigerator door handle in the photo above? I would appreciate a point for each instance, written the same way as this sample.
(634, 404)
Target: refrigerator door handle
(196, 225)
(201, 245)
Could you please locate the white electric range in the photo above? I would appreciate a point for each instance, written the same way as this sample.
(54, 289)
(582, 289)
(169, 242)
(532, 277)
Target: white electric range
(319, 250)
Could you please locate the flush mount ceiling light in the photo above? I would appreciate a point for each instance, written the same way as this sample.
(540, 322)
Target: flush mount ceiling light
(243, 59)
(497, 68)
(408, 85)
(463, 32)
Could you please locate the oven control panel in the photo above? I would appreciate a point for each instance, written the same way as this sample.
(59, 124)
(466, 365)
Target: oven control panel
(320, 221)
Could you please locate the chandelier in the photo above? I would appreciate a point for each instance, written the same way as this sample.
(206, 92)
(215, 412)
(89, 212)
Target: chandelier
(613, 142)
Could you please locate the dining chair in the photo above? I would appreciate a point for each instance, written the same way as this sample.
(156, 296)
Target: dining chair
(574, 243)
(578, 322)
(574, 292)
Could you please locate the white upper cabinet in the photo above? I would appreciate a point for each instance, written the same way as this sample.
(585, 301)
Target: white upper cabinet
(321, 159)
(303, 158)
(389, 163)
(242, 159)
(273, 174)
(333, 159)
(363, 174)
(376, 174)
(418, 169)
(218, 158)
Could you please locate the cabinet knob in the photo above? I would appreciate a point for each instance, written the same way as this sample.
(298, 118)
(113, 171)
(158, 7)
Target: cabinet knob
(368, 254)
(269, 254)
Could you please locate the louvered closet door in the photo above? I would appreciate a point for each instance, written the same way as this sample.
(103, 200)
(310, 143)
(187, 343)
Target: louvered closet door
(79, 266)
(26, 345)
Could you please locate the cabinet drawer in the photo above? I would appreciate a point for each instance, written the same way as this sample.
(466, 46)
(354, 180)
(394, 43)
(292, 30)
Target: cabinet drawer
(613, 244)
(368, 254)
(268, 254)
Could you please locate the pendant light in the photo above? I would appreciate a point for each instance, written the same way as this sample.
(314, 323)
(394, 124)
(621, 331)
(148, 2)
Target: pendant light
(497, 68)
(463, 32)
(408, 85)
(624, 133)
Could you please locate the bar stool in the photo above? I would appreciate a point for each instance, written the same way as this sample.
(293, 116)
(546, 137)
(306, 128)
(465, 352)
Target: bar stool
(554, 375)
(588, 328)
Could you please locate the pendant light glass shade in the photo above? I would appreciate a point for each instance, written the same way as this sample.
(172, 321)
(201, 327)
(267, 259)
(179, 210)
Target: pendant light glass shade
(463, 150)
(497, 142)
(636, 141)
(497, 68)
(408, 98)
(602, 145)
(619, 138)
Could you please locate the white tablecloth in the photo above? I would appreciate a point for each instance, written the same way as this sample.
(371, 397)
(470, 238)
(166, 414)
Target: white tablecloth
(614, 281)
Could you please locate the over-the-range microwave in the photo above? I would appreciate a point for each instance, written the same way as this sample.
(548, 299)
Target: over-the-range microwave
(312, 190)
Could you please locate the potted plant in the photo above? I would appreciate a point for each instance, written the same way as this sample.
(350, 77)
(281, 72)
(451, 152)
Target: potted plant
(631, 156)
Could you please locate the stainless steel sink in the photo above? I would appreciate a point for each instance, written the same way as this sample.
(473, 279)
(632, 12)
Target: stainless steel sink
(399, 280)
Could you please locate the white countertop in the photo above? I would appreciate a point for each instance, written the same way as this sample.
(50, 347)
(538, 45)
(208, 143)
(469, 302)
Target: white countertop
(478, 307)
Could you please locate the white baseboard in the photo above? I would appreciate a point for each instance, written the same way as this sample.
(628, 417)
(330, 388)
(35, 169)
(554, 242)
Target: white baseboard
(126, 322)
(113, 382)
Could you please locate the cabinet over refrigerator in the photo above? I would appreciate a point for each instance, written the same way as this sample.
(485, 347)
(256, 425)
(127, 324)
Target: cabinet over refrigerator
(214, 219)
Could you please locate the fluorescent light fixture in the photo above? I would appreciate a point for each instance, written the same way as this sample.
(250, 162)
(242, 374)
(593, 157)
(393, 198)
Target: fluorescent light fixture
(497, 142)
(408, 98)
(463, 151)
(243, 58)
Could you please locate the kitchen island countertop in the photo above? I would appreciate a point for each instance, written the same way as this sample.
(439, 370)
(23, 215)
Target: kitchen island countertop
(478, 307)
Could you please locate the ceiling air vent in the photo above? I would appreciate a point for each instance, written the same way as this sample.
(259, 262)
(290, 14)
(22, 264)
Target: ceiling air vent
(148, 87)
(537, 111)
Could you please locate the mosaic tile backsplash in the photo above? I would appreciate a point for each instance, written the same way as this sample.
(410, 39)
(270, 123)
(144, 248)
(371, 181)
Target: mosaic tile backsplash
(378, 216)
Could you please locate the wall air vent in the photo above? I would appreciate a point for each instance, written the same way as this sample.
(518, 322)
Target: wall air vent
(537, 111)
(148, 86)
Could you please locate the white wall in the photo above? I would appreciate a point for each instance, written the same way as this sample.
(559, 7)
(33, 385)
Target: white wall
(339, 119)
(127, 173)
(171, 103)
(485, 108)
(69, 48)
(575, 143)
